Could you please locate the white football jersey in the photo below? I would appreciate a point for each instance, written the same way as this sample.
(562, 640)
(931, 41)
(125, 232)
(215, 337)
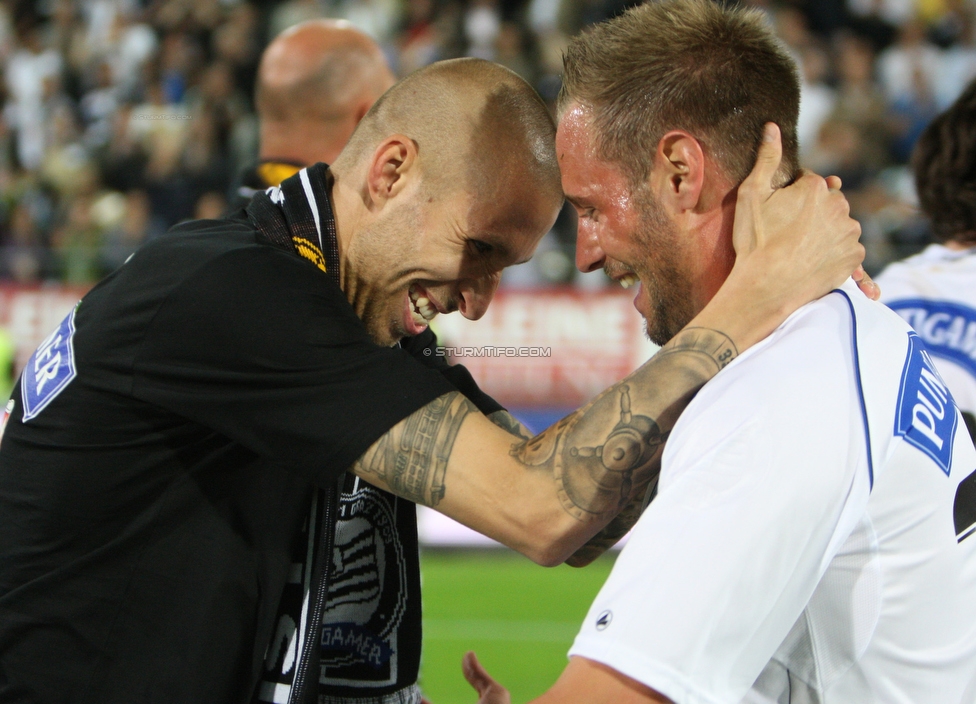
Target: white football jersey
(808, 542)
(935, 291)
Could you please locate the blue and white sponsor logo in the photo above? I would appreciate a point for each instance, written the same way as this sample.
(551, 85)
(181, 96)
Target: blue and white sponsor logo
(50, 369)
(926, 414)
(947, 329)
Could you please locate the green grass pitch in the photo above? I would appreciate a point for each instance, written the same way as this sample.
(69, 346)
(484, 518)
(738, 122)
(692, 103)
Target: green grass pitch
(518, 617)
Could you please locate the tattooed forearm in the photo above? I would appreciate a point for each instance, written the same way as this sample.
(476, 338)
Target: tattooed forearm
(711, 344)
(618, 527)
(605, 457)
(506, 421)
(412, 458)
(594, 464)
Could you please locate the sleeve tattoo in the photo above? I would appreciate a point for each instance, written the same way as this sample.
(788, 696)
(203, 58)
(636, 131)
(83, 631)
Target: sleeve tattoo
(684, 365)
(412, 458)
(604, 459)
(506, 421)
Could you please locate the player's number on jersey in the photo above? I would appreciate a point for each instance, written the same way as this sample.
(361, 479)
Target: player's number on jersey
(964, 508)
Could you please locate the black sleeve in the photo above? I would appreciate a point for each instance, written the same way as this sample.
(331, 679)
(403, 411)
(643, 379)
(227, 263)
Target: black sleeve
(264, 348)
(423, 347)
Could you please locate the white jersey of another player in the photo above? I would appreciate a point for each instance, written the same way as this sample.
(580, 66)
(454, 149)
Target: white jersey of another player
(808, 542)
(935, 291)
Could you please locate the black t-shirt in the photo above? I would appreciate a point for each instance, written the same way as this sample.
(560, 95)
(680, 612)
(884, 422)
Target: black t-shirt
(370, 638)
(176, 425)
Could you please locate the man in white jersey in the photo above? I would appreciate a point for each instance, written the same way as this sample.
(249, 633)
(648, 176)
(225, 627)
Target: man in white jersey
(935, 291)
(810, 540)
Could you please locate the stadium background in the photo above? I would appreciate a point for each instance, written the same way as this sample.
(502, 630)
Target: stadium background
(121, 118)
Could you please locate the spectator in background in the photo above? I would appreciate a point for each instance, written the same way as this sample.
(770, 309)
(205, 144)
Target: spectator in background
(899, 64)
(852, 141)
(817, 98)
(237, 42)
(958, 61)
(98, 107)
(205, 161)
(482, 25)
(28, 72)
(105, 59)
(124, 234)
(76, 243)
(935, 291)
(420, 40)
(122, 161)
(909, 71)
(316, 81)
(128, 46)
(23, 253)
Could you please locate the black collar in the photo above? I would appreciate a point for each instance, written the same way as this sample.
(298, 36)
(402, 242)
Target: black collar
(297, 216)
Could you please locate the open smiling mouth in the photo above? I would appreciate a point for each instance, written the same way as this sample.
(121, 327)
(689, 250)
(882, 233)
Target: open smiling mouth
(628, 280)
(422, 310)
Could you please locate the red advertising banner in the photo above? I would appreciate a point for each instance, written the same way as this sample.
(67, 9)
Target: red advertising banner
(31, 313)
(554, 348)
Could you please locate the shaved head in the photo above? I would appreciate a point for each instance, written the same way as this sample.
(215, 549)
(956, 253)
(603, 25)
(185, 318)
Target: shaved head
(451, 177)
(476, 125)
(315, 82)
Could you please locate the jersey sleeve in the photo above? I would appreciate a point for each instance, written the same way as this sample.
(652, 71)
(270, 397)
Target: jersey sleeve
(263, 348)
(762, 481)
(423, 348)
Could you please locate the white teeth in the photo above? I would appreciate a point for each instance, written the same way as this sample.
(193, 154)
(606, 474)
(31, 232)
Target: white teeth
(628, 280)
(427, 311)
(422, 311)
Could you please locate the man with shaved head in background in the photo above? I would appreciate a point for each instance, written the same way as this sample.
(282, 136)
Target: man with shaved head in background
(188, 427)
(315, 83)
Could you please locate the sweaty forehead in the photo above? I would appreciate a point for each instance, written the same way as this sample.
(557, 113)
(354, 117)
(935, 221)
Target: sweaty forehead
(575, 132)
(583, 171)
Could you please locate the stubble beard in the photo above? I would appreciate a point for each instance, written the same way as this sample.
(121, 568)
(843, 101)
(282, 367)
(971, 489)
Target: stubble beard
(664, 285)
(378, 254)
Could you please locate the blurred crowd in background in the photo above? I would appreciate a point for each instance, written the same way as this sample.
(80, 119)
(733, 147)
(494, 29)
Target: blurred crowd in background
(123, 117)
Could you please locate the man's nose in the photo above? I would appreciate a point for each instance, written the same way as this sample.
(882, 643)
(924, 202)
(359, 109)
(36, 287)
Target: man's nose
(589, 255)
(476, 294)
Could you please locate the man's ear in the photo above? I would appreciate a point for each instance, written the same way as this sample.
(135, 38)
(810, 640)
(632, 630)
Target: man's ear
(679, 170)
(392, 165)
